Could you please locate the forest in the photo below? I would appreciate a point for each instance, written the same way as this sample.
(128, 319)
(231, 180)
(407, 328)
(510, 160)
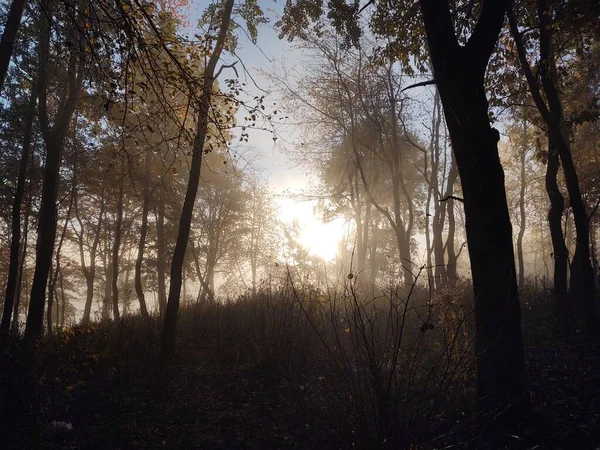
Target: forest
(424, 277)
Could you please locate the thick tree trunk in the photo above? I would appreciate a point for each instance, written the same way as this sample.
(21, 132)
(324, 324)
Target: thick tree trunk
(142, 242)
(54, 137)
(45, 242)
(9, 35)
(168, 338)
(559, 249)
(459, 73)
(15, 241)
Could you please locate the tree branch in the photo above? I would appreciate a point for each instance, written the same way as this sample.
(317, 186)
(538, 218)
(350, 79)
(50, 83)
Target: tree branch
(451, 197)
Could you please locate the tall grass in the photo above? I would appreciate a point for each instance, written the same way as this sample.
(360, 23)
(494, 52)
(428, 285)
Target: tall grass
(397, 362)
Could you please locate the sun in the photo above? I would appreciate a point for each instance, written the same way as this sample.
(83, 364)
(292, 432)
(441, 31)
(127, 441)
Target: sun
(322, 239)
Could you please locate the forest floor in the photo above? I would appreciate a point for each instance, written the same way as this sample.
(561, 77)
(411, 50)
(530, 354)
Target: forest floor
(107, 389)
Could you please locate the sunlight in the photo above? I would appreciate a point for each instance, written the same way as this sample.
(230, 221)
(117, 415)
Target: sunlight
(322, 239)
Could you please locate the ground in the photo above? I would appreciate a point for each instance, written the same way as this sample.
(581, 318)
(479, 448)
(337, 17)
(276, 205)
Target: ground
(107, 389)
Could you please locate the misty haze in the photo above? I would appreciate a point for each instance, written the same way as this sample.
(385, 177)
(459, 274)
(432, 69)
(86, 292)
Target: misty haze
(244, 224)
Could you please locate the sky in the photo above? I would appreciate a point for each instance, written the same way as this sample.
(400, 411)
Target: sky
(284, 176)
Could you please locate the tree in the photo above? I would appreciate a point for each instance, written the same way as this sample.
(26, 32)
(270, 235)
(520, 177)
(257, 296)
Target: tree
(459, 74)
(168, 337)
(552, 111)
(15, 245)
(54, 137)
(9, 35)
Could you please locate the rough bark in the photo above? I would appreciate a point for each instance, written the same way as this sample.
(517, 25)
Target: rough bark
(459, 73)
(170, 324)
(15, 241)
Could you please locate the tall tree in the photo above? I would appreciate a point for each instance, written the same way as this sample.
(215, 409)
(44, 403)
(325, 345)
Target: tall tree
(204, 106)
(459, 68)
(54, 133)
(459, 73)
(11, 283)
(9, 36)
(552, 111)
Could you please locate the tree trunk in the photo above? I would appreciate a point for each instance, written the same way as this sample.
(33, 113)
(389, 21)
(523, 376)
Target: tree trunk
(459, 73)
(54, 137)
(160, 253)
(168, 338)
(23, 253)
(115, 252)
(9, 35)
(45, 242)
(452, 257)
(560, 252)
(53, 279)
(142, 242)
(50, 303)
(89, 272)
(107, 300)
(522, 219)
(15, 241)
(441, 278)
(582, 283)
(64, 301)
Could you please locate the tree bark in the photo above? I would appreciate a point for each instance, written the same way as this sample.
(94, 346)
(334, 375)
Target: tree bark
(459, 73)
(15, 241)
(142, 242)
(9, 35)
(168, 337)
